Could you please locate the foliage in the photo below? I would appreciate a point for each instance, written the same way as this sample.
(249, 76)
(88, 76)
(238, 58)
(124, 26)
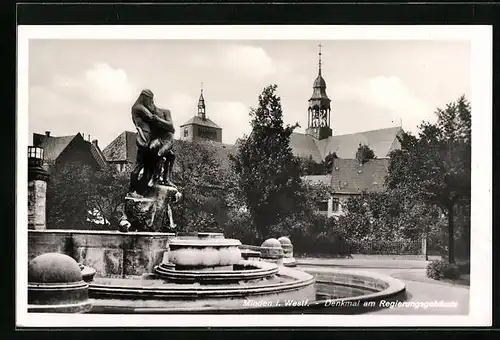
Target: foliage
(267, 171)
(308, 166)
(74, 190)
(203, 183)
(439, 270)
(364, 153)
(328, 161)
(435, 166)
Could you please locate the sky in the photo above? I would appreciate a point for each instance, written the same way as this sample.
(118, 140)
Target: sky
(89, 86)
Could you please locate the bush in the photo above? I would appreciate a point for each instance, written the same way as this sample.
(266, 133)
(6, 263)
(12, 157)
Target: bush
(240, 226)
(439, 270)
(373, 247)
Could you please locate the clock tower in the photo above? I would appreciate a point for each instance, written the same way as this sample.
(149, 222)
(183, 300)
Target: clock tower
(318, 113)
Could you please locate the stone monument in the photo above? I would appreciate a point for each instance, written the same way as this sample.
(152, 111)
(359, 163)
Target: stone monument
(151, 190)
(37, 189)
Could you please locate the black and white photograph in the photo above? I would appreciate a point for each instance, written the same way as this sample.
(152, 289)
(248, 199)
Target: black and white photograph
(254, 176)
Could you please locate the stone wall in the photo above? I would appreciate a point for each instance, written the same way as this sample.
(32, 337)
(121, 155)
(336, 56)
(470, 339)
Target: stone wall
(37, 191)
(110, 253)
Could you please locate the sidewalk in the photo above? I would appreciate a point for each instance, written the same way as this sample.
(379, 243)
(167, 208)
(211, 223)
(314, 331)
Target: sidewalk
(419, 287)
(364, 263)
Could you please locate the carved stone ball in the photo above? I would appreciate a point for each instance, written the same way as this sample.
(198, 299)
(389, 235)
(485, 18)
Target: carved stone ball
(287, 246)
(284, 240)
(55, 285)
(271, 249)
(54, 268)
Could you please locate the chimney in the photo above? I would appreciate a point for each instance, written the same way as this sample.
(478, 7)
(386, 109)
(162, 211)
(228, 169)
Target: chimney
(47, 133)
(94, 142)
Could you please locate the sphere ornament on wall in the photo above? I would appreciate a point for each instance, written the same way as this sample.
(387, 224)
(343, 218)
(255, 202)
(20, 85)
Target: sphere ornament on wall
(56, 285)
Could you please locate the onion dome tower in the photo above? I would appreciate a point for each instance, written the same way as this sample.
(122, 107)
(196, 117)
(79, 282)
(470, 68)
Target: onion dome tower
(318, 113)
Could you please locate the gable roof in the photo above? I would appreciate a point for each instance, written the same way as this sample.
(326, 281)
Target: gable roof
(122, 149)
(348, 176)
(52, 146)
(98, 155)
(381, 141)
(201, 122)
(304, 146)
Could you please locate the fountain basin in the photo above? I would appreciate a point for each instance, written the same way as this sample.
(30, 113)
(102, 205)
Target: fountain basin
(243, 270)
(203, 252)
(334, 292)
(151, 292)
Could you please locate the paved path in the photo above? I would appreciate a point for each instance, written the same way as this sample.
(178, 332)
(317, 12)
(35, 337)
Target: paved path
(364, 263)
(419, 287)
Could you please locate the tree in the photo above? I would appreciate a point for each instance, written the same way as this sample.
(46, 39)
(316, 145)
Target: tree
(436, 164)
(308, 166)
(364, 153)
(203, 182)
(74, 191)
(329, 160)
(268, 173)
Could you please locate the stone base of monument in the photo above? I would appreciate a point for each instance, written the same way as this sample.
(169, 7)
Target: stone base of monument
(150, 213)
(110, 253)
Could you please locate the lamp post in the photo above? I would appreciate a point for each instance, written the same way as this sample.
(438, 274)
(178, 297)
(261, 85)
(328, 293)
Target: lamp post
(37, 189)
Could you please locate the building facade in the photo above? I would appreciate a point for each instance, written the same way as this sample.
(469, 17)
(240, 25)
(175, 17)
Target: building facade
(62, 150)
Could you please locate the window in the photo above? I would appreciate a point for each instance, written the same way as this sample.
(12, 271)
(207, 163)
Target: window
(336, 205)
(186, 132)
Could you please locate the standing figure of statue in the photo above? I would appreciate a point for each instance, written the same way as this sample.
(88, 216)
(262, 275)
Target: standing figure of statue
(162, 145)
(155, 132)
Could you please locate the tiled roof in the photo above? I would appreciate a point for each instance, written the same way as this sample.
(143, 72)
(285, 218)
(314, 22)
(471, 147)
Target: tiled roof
(52, 146)
(99, 156)
(122, 149)
(348, 176)
(304, 146)
(202, 122)
(381, 141)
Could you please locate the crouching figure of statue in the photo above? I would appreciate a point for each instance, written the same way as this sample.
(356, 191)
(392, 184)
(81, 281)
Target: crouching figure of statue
(151, 191)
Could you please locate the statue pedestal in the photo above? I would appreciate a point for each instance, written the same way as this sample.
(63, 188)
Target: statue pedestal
(150, 213)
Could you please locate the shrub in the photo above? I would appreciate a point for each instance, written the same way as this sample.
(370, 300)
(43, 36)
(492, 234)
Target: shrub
(439, 270)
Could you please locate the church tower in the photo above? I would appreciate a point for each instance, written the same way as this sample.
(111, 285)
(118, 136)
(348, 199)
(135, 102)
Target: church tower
(201, 105)
(200, 127)
(318, 113)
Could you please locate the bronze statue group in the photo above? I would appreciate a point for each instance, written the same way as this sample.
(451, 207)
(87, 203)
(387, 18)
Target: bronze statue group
(155, 134)
(151, 178)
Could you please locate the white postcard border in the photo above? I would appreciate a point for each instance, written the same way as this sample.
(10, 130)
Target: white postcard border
(481, 235)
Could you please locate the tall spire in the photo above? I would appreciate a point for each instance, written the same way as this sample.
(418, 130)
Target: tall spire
(201, 104)
(319, 59)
